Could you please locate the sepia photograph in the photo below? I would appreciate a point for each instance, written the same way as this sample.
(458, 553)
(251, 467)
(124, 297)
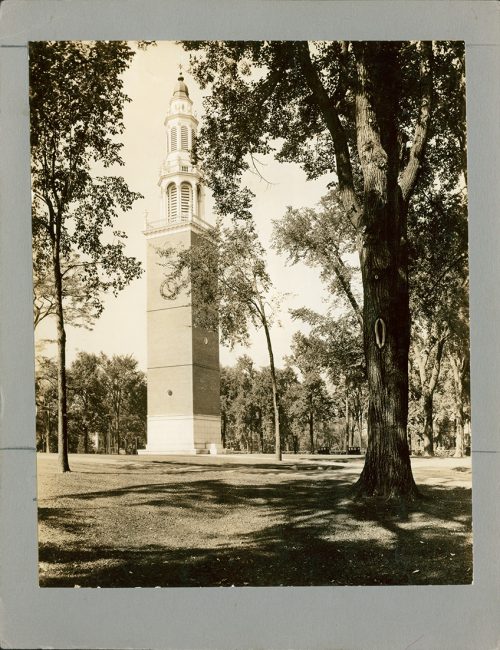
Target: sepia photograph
(251, 313)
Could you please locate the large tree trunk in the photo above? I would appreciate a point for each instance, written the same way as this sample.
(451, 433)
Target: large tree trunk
(387, 471)
(384, 267)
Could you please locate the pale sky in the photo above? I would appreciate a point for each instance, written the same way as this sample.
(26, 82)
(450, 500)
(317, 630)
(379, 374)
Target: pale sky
(121, 329)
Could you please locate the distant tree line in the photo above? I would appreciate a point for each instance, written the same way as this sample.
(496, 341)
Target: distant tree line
(107, 406)
(308, 414)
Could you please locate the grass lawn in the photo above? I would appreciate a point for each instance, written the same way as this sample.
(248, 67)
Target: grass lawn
(129, 521)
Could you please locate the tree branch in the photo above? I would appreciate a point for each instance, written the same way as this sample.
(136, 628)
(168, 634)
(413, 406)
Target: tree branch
(409, 175)
(342, 156)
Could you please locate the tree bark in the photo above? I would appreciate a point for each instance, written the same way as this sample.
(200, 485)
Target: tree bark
(428, 432)
(47, 433)
(223, 431)
(85, 440)
(428, 386)
(458, 366)
(277, 433)
(62, 408)
(311, 429)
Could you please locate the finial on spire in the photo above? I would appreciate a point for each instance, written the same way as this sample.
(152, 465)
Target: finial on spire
(180, 78)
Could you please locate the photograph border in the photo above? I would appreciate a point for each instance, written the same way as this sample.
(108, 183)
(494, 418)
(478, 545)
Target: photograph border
(265, 617)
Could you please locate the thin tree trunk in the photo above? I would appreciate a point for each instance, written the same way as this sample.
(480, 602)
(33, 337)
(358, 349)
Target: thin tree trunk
(458, 367)
(62, 409)
(223, 431)
(118, 424)
(459, 439)
(346, 436)
(428, 433)
(277, 433)
(311, 429)
(428, 386)
(47, 433)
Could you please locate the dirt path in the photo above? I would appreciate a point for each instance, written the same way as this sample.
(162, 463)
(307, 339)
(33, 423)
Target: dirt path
(154, 521)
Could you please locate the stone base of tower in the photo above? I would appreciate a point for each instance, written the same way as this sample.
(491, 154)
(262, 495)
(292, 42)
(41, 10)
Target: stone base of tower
(183, 435)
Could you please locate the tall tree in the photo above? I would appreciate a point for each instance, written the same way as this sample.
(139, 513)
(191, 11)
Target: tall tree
(76, 111)
(364, 111)
(226, 269)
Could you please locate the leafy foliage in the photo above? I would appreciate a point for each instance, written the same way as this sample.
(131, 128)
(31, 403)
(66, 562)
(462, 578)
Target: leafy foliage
(106, 403)
(76, 112)
(247, 409)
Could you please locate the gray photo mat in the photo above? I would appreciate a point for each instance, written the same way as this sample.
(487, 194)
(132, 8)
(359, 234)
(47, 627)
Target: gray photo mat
(439, 617)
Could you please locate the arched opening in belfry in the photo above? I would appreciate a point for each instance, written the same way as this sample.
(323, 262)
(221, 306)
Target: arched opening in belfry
(186, 201)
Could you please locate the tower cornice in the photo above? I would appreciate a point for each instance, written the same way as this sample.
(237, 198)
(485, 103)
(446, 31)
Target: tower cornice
(161, 227)
(182, 116)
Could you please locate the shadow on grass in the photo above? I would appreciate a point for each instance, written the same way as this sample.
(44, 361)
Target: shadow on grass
(315, 535)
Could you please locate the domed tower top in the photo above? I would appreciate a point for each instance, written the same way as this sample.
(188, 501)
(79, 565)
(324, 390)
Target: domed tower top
(180, 88)
(180, 102)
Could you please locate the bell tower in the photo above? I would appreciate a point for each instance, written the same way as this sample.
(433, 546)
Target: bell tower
(183, 359)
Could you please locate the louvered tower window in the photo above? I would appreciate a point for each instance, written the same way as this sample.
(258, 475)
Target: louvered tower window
(173, 138)
(184, 138)
(172, 202)
(193, 138)
(186, 201)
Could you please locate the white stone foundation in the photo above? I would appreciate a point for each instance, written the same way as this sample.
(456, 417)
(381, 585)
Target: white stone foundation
(183, 435)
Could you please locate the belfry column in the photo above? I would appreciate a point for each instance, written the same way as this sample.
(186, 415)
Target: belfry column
(183, 359)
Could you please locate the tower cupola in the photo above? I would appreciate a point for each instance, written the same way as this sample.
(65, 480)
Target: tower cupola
(182, 194)
(181, 89)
